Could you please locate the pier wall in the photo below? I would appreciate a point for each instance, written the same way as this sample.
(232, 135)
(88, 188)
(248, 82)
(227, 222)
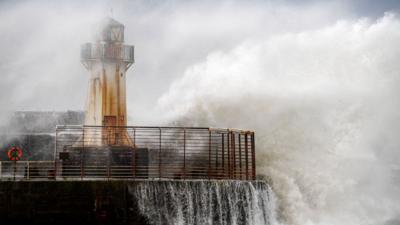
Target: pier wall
(136, 202)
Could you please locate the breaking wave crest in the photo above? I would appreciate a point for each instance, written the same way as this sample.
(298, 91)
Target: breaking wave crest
(324, 105)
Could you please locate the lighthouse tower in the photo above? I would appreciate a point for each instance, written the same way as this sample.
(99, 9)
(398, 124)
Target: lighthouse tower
(107, 60)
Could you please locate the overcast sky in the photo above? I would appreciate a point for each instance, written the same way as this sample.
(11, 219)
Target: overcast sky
(40, 41)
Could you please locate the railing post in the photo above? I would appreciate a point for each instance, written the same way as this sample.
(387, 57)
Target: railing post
(109, 164)
(209, 154)
(28, 168)
(216, 161)
(240, 155)
(159, 157)
(229, 154)
(134, 154)
(55, 155)
(233, 155)
(15, 169)
(253, 155)
(223, 155)
(82, 151)
(246, 147)
(55, 169)
(184, 153)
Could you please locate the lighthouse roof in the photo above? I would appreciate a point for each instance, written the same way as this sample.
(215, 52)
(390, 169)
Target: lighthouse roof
(110, 30)
(110, 22)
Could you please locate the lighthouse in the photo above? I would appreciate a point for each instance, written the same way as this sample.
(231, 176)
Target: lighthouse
(107, 61)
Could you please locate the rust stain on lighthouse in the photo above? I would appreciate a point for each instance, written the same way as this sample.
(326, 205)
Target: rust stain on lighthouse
(107, 60)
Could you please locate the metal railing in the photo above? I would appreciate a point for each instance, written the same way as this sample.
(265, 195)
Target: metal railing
(91, 51)
(154, 153)
(27, 170)
(96, 152)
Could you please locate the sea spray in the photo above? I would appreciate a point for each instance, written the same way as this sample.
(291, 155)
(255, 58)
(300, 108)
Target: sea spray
(205, 202)
(324, 107)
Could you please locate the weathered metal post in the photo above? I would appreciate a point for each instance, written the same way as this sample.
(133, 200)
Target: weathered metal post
(246, 147)
(82, 151)
(216, 161)
(159, 157)
(233, 155)
(55, 156)
(15, 168)
(240, 155)
(28, 168)
(223, 156)
(229, 155)
(209, 153)
(253, 155)
(184, 153)
(109, 164)
(134, 154)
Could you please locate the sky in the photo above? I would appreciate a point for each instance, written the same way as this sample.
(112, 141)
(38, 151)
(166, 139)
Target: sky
(39, 61)
(316, 80)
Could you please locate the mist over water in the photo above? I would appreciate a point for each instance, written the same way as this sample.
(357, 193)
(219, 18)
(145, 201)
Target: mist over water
(324, 105)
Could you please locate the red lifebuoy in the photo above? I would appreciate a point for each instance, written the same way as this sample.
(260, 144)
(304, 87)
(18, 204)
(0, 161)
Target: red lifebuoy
(14, 154)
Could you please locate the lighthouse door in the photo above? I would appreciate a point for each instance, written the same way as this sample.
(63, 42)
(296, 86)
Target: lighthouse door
(110, 123)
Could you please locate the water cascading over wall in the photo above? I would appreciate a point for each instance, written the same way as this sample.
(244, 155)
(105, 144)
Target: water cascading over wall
(205, 202)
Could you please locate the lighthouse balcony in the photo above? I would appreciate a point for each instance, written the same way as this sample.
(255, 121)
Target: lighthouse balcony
(91, 51)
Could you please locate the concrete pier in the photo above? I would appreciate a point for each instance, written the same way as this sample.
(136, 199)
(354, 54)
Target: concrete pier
(134, 202)
(67, 202)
